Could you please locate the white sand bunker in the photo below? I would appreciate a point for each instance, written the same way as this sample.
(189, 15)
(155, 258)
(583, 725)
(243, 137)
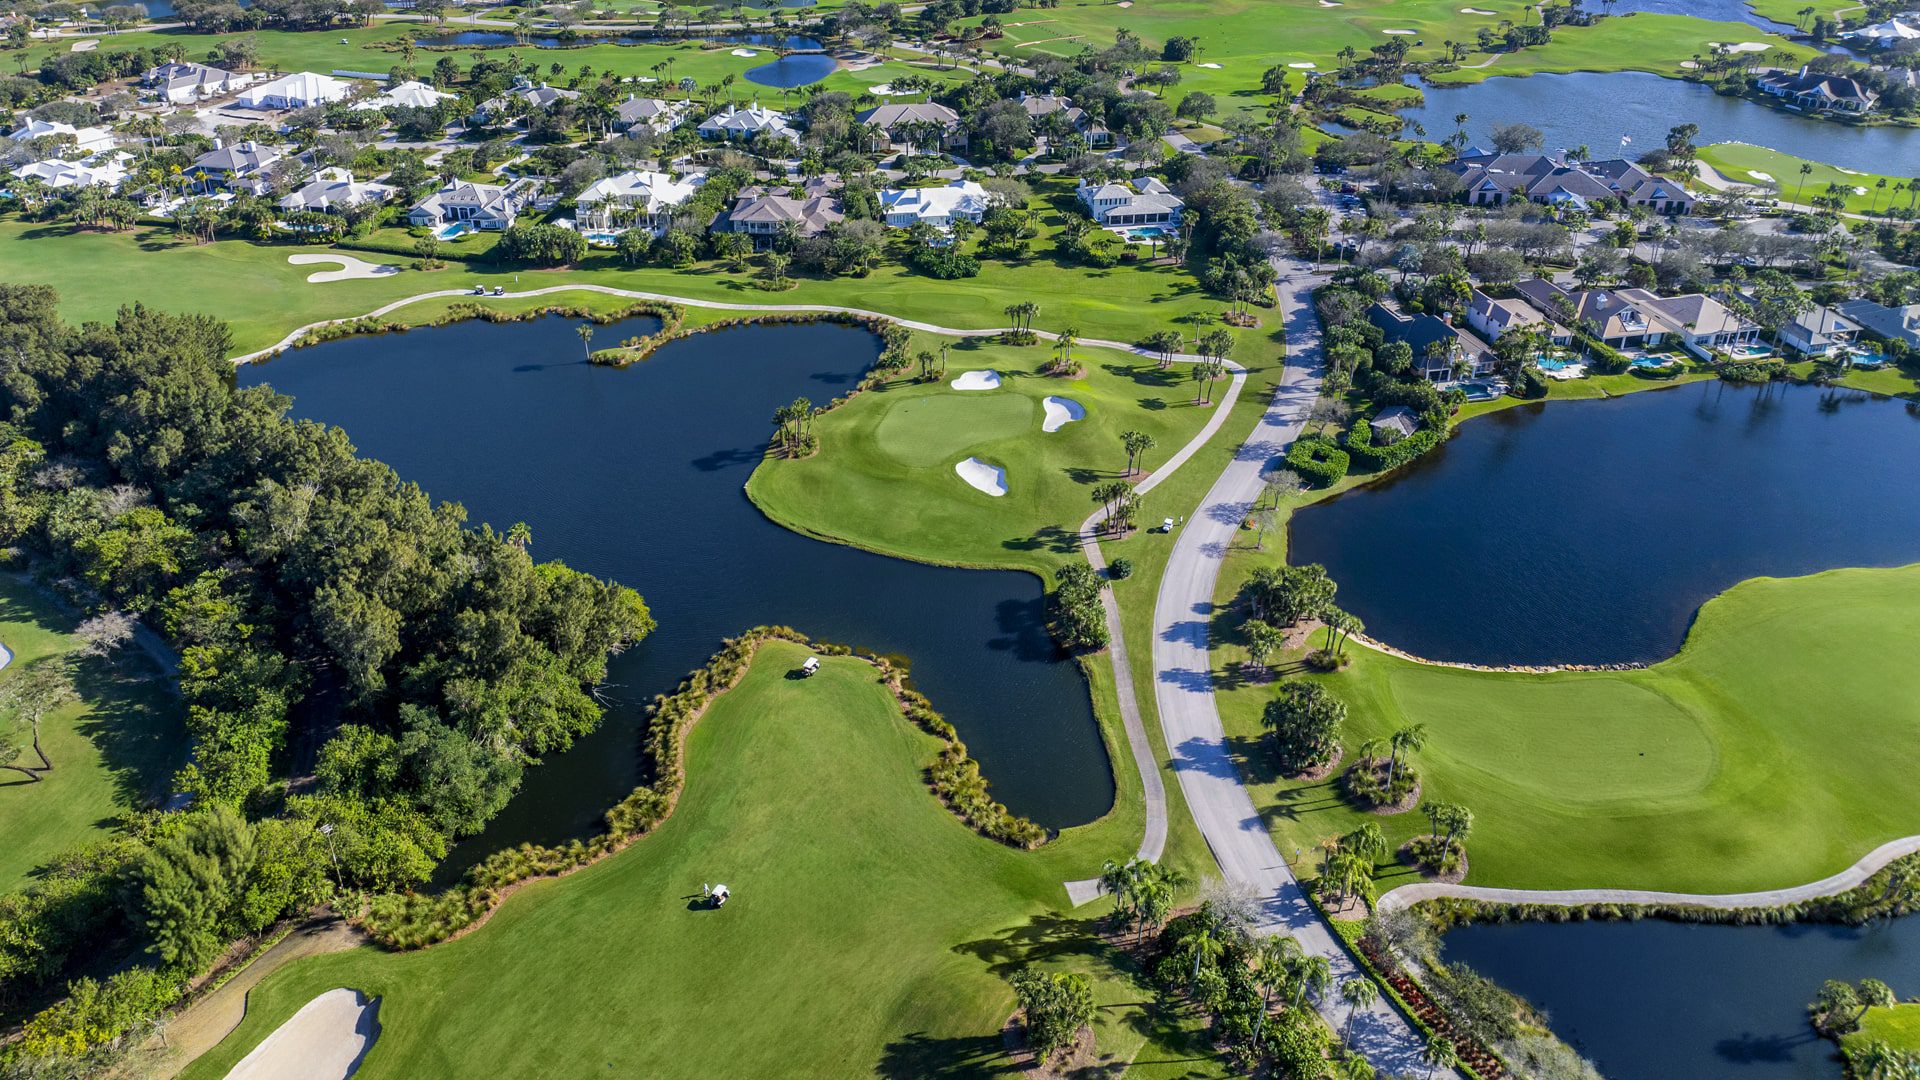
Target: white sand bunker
(1306, 65)
(1215, 67)
(745, 52)
(1758, 175)
(977, 380)
(1477, 11)
(991, 479)
(325, 1040)
(1850, 172)
(349, 267)
(1061, 411)
(1408, 33)
(887, 90)
(1744, 47)
(1330, 3)
(1859, 191)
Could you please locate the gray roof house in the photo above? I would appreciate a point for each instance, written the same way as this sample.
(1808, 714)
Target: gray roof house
(895, 120)
(1041, 106)
(185, 83)
(483, 206)
(1396, 420)
(335, 190)
(763, 214)
(240, 167)
(651, 113)
(738, 123)
(1818, 331)
(1492, 179)
(1492, 317)
(1889, 323)
(537, 96)
(1436, 343)
(1810, 89)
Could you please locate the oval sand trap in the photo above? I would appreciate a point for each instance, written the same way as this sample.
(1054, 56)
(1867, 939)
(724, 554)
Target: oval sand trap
(1061, 411)
(991, 479)
(977, 380)
(349, 267)
(1304, 65)
(1408, 33)
(325, 1040)
(1758, 175)
(1215, 67)
(745, 52)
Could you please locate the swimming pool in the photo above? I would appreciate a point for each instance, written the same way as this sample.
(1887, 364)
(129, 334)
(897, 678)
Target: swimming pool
(1663, 360)
(1143, 232)
(1750, 352)
(1552, 363)
(602, 238)
(453, 231)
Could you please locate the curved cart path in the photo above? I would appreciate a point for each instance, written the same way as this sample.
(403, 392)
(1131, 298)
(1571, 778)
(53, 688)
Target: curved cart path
(1190, 717)
(1851, 878)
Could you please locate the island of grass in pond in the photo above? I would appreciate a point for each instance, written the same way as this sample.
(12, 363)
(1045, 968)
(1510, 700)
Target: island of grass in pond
(636, 475)
(1590, 532)
(867, 933)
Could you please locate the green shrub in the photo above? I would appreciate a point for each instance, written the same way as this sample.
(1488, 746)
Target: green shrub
(1120, 569)
(1318, 461)
(1361, 448)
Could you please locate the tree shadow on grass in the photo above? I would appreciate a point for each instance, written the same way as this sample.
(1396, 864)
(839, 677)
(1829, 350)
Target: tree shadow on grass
(1047, 936)
(1052, 538)
(1146, 374)
(919, 1055)
(135, 724)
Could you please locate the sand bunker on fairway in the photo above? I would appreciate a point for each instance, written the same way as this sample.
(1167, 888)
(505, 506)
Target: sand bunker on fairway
(1303, 65)
(1746, 47)
(1061, 411)
(1477, 11)
(1758, 175)
(349, 267)
(745, 52)
(977, 380)
(1214, 66)
(991, 479)
(1408, 33)
(325, 1040)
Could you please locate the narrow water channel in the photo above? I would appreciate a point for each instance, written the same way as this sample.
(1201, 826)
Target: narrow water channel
(637, 475)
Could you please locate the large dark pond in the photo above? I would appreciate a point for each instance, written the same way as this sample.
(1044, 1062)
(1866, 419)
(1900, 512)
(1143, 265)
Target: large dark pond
(1656, 1000)
(637, 475)
(1568, 110)
(1591, 531)
(793, 71)
(1716, 10)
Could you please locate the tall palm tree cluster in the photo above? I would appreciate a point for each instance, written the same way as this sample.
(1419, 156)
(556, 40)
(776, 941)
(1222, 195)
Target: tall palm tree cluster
(1382, 776)
(793, 427)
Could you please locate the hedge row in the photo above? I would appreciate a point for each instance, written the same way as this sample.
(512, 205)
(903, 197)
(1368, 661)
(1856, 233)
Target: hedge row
(1359, 443)
(1477, 1062)
(461, 311)
(636, 349)
(1318, 461)
(412, 921)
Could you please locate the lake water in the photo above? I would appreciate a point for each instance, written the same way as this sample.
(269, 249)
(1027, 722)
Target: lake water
(1591, 531)
(1716, 10)
(1655, 1000)
(1596, 110)
(637, 475)
(793, 71)
(496, 39)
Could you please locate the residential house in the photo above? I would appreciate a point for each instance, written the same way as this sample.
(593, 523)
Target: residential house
(301, 90)
(1041, 106)
(736, 123)
(1886, 323)
(1637, 319)
(1900, 28)
(77, 142)
(1494, 179)
(240, 167)
(936, 206)
(335, 191)
(463, 202)
(186, 83)
(1145, 201)
(1700, 322)
(1492, 318)
(1436, 342)
(652, 114)
(1819, 331)
(1821, 92)
(901, 124)
(535, 96)
(635, 200)
(107, 169)
(410, 94)
(764, 214)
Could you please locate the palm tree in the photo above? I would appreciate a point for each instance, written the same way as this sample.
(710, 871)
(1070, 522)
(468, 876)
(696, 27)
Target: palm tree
(1136, 444)
(1439, 1054)
(1358, 993)
(1206, 945)
(585, 330)
(1311, 975)
(1063, 347)
(1272, 959)
(1406, 740)
(1806, 170)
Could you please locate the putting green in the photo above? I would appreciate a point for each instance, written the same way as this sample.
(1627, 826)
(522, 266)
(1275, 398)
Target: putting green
(927, 431)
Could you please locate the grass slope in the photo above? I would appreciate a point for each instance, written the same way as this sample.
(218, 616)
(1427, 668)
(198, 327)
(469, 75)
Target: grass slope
(112, 751)
(884, 478)
(1762, 755)
(1739, 161)
(1898, 1026)
(869, 929)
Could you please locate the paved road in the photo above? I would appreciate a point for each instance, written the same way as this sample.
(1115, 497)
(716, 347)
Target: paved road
(1183, 688)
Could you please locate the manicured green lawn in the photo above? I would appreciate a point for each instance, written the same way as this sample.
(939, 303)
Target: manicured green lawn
(869, 931)
(112, 751)
(1766, 753)
(1898, 1026)
(1889, 380)
(1651, 43)
(1740, 162)
(884, 477)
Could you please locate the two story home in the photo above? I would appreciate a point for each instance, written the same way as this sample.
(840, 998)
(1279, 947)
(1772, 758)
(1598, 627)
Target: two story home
(1819, 331)
(763, 214)
(1436, 343)
(1493, 318)
(650, 114)
(462, 202)
(1117, 204)
(635, 200)
(936, 206)
(334, 191)
(240, 167)
(919, 126)
(1041, 106)
(737, 124)
(186, 83)
(1810, 89)
(1637, 319)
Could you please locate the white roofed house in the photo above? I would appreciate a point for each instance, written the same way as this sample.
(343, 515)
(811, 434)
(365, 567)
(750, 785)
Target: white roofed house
(936, 206)
(735, 123)
(335, 191)
(1493, 318)
(185, 83)
(106, 169)
(75, 142)
(1819, 331)
(462, 202)
(301, 90)
(644, 200)
(535, 96)
(1145, 201)
(416, 95)
(1702, 323)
